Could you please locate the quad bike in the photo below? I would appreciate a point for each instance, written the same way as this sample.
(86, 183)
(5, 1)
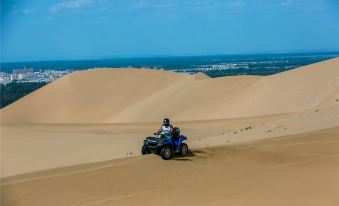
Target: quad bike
(165, 144)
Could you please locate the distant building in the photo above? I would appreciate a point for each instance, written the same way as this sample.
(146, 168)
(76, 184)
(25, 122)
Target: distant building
(22, 71)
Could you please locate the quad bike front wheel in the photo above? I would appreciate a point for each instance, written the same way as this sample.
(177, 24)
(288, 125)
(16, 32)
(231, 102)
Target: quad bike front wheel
(184, 149)
(144, 150)
(166, 153)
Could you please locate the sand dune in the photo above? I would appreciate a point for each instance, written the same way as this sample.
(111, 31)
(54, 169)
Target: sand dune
(293, 170)
(28, 148)
(256, 140)
(129, 95)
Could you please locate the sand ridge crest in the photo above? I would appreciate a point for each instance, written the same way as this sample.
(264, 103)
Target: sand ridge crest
(112, 96)
(254, 140)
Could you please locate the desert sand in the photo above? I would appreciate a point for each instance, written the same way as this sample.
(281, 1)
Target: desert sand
(293, 170)
(141, 95)
(270, 140)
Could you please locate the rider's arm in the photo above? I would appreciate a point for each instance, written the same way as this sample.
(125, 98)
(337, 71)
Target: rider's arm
(160, 130)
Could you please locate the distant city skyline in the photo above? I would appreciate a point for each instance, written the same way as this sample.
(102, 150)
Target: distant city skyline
(36, 30)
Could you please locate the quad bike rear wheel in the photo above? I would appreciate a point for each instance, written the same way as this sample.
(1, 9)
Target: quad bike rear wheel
(184, 149)
(166, 153)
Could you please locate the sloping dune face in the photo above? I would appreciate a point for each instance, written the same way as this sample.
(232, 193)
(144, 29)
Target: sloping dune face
(138, 95)
(295, 170)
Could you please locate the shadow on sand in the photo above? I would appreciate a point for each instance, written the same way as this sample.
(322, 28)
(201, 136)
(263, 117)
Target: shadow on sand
(188, 157)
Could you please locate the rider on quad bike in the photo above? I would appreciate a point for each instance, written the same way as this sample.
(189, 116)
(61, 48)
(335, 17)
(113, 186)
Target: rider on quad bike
(175, 132)
(167, 142)
(166, 127)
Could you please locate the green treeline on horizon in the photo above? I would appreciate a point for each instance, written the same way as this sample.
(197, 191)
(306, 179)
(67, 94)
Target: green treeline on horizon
(11, 92)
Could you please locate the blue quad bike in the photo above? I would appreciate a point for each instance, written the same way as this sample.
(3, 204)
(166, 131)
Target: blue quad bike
(166, 145)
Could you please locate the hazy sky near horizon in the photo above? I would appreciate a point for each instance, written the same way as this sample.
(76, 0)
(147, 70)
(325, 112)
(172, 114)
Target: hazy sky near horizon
(93, 29)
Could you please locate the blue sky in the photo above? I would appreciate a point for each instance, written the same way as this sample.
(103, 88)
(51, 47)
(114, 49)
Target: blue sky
(94, 29)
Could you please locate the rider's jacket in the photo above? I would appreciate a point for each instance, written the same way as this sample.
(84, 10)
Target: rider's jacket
(166, 129)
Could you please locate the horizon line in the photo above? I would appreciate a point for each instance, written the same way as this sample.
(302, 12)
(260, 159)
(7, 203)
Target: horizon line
(178, 55)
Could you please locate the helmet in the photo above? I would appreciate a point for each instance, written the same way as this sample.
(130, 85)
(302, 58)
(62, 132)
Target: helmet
(166, 121)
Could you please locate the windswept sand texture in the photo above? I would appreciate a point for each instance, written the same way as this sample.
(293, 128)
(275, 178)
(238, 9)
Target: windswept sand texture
(138, 95)
(77, 140)
(293, 170)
